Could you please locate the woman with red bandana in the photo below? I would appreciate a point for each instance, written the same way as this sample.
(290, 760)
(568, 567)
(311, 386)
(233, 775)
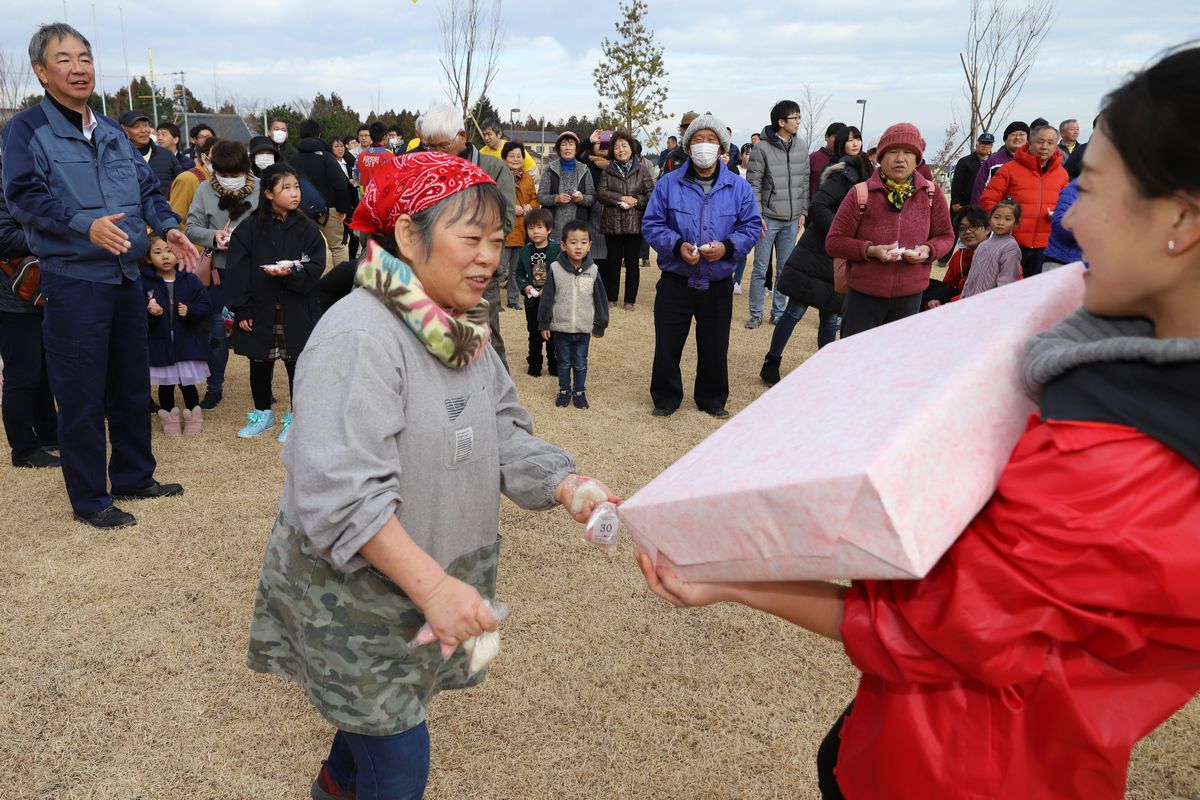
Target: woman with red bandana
(1064, 624)
(408, 432)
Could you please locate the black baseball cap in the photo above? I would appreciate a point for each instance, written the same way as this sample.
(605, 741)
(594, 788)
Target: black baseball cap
(131, 117)
(986, 138)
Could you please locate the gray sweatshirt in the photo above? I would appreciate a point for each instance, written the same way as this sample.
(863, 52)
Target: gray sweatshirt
(381, 427)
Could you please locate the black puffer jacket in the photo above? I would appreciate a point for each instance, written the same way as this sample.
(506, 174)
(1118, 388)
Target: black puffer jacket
(314, 161)
(807, 275)
(251, 294)
(12, 245)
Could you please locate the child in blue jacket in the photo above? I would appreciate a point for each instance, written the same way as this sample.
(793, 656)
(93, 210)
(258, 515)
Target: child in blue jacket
(179, 310)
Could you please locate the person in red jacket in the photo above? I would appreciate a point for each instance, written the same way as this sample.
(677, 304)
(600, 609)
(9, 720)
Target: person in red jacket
(1064, 624)
(1034, 179)
(889, 242)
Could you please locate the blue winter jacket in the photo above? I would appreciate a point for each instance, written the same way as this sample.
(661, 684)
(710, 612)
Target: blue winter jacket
(1062, 246)
(57, 184)
(174, 338)
(679, 212)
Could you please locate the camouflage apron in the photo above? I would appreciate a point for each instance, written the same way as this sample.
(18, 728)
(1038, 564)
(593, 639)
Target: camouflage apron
(343, 637)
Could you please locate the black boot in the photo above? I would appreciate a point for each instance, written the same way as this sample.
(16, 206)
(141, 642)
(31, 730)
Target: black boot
(770, 370)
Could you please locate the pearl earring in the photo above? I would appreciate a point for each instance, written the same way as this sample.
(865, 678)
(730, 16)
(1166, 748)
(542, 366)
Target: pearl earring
(1171, 245)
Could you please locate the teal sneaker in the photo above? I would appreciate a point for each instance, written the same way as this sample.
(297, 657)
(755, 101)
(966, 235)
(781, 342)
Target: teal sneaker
(260, 421)
(287, 426)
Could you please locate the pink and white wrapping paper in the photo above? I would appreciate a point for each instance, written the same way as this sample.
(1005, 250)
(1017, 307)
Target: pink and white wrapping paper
(868, 460)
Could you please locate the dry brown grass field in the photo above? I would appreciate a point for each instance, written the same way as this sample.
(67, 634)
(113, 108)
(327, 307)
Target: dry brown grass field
(122, 660)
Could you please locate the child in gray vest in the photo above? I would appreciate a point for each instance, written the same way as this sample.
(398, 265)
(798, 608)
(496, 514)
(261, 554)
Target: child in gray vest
(574, 307)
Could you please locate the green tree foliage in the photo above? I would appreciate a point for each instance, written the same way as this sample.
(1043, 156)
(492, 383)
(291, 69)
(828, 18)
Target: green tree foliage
(482, 112)
(334, 116)
(290, 115)
(631, 78)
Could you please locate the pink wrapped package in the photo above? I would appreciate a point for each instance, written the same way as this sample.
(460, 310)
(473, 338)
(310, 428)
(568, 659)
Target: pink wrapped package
(869, 459)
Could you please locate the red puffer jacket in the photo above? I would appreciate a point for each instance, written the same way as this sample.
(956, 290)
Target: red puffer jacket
(1035, 189)
(925, 219)
(1063, 626)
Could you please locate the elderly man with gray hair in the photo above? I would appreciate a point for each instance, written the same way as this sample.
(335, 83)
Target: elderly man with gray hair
(701, 220)
(85, 199)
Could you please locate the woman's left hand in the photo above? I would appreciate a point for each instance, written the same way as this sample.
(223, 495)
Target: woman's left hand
(921, 257)
(679, 593)
(564, 493)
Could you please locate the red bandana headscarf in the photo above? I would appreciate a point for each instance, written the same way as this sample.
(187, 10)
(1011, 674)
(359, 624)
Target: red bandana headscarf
(411, 183)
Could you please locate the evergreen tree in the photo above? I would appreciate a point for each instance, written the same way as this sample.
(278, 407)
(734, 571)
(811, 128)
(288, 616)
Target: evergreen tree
(631, 77)
(334, 116)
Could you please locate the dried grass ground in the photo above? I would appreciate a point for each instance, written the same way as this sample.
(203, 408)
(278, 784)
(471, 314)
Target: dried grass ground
(122, 673)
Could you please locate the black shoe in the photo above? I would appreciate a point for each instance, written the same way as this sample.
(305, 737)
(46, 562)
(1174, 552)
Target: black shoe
(211, 400)
(38, 459)
(152, 491)
(770, 370)
(109, 519)
(580, 399)
(535, 372)
(49, 447)
(564, 398)
(662, 412)
(719, 413)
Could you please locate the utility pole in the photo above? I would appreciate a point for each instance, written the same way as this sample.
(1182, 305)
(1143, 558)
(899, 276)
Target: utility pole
(96, 55)
(125, 47)
(183, 86)
(153, 85)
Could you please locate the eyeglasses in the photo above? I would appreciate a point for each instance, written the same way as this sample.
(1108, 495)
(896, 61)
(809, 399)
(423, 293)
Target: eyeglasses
(439, 146)
(793, 118)
(968, 228)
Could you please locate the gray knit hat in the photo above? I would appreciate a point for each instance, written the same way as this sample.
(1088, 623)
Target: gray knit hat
(709, 122)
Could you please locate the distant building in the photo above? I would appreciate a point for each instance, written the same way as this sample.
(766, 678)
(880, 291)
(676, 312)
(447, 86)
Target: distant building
(540, 144)
(226, 126)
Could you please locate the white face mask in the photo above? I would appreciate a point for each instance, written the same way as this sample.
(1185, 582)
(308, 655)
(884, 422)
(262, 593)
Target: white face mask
(231, 184)
(264, 160)
(393, 141)
(705, 155)
(279, 136)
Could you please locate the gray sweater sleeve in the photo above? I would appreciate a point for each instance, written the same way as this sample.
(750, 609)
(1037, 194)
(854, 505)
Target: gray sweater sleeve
(530, 468)
(342, 476)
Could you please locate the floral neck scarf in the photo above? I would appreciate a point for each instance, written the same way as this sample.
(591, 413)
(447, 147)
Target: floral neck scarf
(455, 338)
(898, 193)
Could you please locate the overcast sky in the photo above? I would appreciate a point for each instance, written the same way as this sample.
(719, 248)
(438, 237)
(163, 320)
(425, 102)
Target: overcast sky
(901, 56)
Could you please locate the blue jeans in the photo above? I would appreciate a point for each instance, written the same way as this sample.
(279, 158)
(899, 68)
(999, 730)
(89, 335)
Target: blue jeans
(572, 352)
(392, 767)
(218, 341)
(781, 235)
(741, 270)
(826, 333)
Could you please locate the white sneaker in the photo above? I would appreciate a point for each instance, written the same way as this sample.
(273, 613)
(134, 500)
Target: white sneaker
(737, 288)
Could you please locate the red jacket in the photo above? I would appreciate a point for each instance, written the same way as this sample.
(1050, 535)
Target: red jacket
(1061, 627)
(925, 219)
(1035, 189)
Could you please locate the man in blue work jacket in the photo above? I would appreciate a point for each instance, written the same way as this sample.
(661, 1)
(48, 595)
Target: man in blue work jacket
(85, 197)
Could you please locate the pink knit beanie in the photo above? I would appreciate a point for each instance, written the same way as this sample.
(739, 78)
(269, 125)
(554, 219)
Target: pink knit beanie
(902, 134)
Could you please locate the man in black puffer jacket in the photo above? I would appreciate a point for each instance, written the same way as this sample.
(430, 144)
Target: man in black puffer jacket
(319, 167)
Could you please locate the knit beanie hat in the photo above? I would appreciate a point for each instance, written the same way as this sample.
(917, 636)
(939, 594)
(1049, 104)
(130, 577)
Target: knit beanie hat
(902, 134)
(566, 135)
(707, 122)
(1013, 127)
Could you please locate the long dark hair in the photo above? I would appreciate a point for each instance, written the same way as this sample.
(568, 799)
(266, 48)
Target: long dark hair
(229, 157)
(271, 177)
(861, 161)
(1152, 121)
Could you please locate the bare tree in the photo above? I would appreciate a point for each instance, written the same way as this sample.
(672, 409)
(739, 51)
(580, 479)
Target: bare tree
(472, 37)
(942, 162)
(16, 75)
(812, 115)
(303, 106)
(1003, 40)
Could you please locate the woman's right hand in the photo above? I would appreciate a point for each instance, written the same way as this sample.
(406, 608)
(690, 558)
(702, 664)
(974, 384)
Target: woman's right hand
(455, 612)
(881, 252)
(247, 325)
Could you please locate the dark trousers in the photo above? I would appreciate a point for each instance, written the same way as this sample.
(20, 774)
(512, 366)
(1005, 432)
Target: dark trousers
(622, 248)
(392, 767)
(572, 351)
(261, 374)
(166, 397)
(536, 342)
(675, 306)
(863, 312)
(218, 341)
(98, 362)
(492, 295)
(28, 404)
(1031, 261)
(827, 756)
